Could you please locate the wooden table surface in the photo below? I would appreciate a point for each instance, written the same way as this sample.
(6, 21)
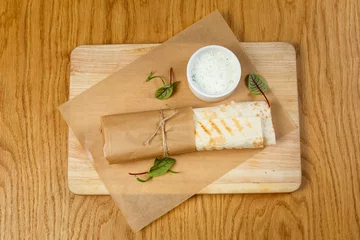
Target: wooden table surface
(36, 38)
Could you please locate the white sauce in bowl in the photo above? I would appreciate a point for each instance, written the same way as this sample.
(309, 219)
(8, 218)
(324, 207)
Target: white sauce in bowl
(214, 71)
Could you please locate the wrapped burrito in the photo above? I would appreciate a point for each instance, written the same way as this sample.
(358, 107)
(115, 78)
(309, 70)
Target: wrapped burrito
(227, 126)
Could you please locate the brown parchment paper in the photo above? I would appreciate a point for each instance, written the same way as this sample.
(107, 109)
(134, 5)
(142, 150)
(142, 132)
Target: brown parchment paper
(126, 91)
(125, 134)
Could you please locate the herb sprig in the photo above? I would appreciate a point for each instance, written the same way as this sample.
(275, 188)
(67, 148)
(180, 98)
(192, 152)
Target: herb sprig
(257, 85)
(166, 90)
(160, 167)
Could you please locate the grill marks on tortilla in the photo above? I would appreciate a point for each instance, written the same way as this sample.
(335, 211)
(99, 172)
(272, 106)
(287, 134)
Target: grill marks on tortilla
(204, 128)
(237, 124)
(216, 127)
(228, 129)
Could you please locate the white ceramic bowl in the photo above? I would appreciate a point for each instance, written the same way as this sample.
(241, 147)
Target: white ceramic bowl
(198, 91)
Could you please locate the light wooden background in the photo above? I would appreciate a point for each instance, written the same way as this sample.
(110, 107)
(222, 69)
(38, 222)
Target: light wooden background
(36, 38)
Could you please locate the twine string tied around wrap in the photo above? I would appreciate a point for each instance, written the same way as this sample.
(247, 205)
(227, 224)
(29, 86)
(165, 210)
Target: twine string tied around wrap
(162, 127)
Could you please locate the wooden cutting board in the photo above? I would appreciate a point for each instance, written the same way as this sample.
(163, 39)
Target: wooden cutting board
(272, 170)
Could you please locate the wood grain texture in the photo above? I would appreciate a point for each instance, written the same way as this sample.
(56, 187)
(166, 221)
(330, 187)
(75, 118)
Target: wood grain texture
(36, 38)
(276, 169)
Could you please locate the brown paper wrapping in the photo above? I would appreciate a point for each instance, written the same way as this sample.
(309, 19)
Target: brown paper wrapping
(125, 134)
(126, 91)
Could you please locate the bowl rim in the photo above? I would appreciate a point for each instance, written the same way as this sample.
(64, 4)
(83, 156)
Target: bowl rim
(190, 63)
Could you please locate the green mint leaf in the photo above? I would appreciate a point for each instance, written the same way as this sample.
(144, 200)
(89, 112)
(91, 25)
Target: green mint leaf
(255, 82)
(164, 92)
(162, 167)
(156, 161)
(257, 85)
(141, 180)
(167, 89)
